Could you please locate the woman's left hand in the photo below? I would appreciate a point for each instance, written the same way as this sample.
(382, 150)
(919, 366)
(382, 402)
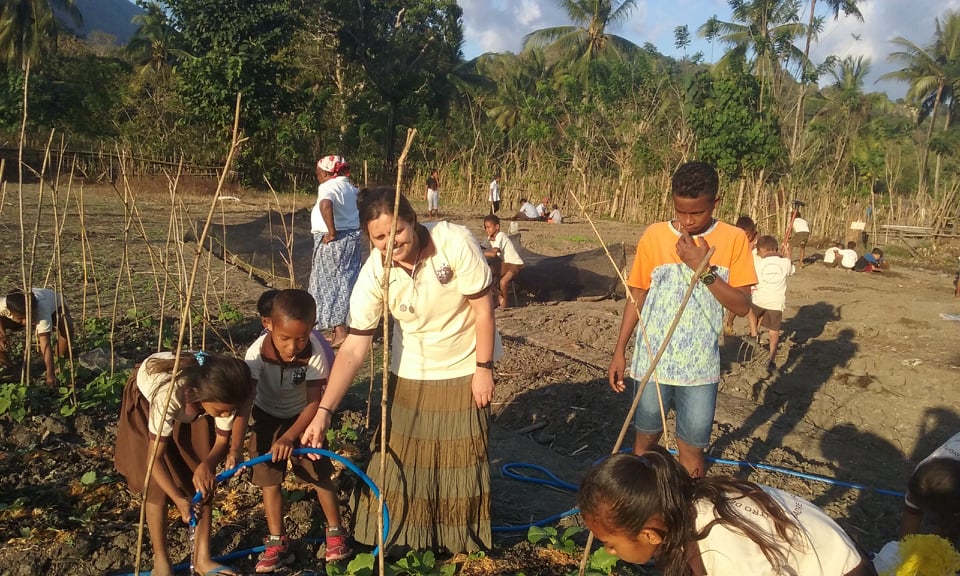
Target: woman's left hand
(482, 387)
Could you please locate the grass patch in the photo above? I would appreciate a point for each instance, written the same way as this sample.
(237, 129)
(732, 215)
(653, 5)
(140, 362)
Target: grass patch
(576, 239)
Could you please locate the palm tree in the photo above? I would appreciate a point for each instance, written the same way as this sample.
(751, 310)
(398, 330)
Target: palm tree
(849, 8)
(847, 106)
(934, 76)
(587, 40)
(765, 29)
(29, 26)
(155, 44)
(516, 79)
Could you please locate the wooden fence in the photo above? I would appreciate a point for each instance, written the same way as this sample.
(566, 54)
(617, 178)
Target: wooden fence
(96, 166)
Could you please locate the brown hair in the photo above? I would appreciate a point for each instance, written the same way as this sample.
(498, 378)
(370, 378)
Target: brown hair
(625, 491)
(218, 379)
(767, 242)
(375, 202)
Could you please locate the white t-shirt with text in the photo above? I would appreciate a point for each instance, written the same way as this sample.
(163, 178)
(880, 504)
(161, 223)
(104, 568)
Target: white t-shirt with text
(770, 292)
(821, 547)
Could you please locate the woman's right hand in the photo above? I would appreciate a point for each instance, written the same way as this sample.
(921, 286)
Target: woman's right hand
(316, 432)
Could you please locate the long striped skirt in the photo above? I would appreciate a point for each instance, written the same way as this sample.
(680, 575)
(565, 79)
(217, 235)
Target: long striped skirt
(437, 478)
(335, 269)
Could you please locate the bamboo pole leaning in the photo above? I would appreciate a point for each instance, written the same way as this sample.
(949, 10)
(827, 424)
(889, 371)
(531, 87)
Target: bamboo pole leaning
(235, 143)
(385, 286)
(646, 377)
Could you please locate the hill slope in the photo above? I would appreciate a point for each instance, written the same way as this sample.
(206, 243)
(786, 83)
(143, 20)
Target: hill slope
(110, 16)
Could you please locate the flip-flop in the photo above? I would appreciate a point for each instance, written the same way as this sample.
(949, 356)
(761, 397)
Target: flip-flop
(221, 569)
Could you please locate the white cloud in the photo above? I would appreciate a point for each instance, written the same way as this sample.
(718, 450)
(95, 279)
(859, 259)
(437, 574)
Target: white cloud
(883, 20)
(501, 25)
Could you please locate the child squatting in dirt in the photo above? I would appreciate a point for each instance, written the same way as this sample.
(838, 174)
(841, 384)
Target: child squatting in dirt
(289, 366)
(49, 311)
(191, 447)
(689, 371)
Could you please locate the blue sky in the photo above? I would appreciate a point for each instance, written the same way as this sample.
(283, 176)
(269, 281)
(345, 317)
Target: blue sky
(500, 25)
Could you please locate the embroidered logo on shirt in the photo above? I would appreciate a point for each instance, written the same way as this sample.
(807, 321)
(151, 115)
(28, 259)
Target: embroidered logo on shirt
(299, 376)
(445, 274)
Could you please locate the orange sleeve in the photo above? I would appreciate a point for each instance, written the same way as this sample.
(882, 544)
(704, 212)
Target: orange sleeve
(640, 273)
(742, 270)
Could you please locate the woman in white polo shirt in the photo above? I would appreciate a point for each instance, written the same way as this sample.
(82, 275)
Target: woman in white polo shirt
(444, 343)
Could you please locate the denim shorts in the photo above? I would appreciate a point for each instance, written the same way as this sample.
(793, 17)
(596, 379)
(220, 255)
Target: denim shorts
(695, 406)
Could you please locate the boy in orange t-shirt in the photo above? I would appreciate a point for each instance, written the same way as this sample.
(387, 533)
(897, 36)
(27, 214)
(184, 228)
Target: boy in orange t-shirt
(689, 371)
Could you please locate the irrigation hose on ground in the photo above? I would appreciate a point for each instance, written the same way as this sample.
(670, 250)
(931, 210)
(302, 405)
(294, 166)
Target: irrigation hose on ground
(510, 470)
(227, 474)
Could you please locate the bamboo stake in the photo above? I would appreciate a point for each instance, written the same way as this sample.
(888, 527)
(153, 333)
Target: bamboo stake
(198, 253)
(28, 329)
(387, 269)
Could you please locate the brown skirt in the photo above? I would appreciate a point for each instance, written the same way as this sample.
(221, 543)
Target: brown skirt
(437, 478)
(187, 447)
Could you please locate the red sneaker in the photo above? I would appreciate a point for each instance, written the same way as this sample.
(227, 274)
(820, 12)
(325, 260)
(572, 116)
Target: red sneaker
(276, 555)
(337, 545)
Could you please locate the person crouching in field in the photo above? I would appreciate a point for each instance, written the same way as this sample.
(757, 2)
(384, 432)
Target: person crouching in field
(191, 446)
(647, 507)
(668, 253)
(933, 494)
(769, 299)
(503, 257)
(289, 367)
(871, 262)
(832, 256)
(49, 311)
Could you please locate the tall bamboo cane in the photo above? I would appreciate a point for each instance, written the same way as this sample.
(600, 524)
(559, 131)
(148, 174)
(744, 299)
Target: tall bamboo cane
(387, 267)
(184, 318)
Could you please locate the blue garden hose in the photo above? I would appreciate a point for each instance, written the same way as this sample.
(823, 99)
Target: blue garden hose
(227, 474)
(510, 471)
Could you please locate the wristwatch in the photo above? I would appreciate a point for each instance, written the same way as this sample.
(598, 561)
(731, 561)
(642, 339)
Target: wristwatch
(488, 364)
(708, 276)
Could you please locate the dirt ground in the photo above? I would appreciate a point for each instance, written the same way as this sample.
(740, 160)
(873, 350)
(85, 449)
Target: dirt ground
(867, 387)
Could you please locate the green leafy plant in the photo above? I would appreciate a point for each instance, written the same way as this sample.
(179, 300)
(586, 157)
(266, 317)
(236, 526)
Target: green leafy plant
(96, 332)
(337, 437)
(101, 392)
(229, 314)
(88, 514)
(420, 564)
(601, 564)
(13, 400)
(361, 565)
(554, 539)
(141, 318)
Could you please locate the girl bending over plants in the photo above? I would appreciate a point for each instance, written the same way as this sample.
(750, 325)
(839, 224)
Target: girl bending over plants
(648, 508)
